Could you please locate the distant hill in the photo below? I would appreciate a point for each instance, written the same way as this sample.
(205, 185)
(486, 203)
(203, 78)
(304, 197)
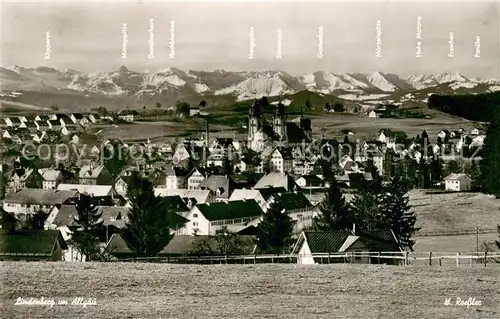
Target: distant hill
(479, 107)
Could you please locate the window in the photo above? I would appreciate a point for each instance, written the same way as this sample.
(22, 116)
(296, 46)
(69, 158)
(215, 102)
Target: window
(195, 215)
(195, 223)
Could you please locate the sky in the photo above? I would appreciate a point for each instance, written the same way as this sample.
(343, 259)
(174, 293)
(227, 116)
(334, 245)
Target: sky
(87, 36)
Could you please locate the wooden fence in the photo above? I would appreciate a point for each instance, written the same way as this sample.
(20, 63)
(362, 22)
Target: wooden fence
(457, 232)
(399, 258)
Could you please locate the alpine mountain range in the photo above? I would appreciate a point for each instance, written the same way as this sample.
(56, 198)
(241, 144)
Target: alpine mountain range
(241, 85)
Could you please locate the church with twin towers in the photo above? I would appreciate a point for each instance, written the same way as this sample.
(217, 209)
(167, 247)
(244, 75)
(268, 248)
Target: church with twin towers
(270, 125)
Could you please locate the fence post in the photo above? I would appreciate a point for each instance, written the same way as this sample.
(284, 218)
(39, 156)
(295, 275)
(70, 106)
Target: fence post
(485, 253)
(379, 257)
(470, 262)
(406, 258)
(254, 259)
(458, 259)
(440, 261)
(328, 258)
(430, 258)
(352, 258)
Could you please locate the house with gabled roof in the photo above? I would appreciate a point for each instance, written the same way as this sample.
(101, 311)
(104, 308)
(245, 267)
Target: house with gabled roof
(176, 178)
(190, 196)
(195, 177)
(298, 207)
(31, 179)
(12, 121)
(346, 241)
(42, 245)
(221, 185)
(281, 160)
(94, 175)
(205, 219)
(277, 180)
(31, 200)
(51, 178)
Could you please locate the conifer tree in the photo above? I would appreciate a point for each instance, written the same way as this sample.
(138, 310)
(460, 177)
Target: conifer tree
(397, 210)
(147, 231)
(366, 206)
(88, 226)
(334, 210)
(274, 232)
(436, 170)
(490, 163)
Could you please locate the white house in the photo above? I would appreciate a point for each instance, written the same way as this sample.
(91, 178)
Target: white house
(51, 178)
(205, 219)
(457, 182)
(248, 194)
(373, 114)
(195, 177)
(474, 131)
(31, 200)
(281, 160)
(176, 178)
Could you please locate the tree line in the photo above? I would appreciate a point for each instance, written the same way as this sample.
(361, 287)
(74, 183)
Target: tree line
(479, 107)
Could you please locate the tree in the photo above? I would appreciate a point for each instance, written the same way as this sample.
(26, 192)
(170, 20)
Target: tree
(274, 232)
(223, 242)
(328, 107)
(309, 105)
(263, 102)
(203, 104)
(88, 227)
(333, 210)
(37, 220)
(366, 207)
(7, 221)
(452, 167)
(338, 107)
(182, 108)
(397, 210)
(490, 163)
(158, 105)
(436, 170)
(113, 158)
(149, 222)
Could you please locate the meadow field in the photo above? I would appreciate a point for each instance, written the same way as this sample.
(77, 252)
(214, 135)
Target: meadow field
(135, 290)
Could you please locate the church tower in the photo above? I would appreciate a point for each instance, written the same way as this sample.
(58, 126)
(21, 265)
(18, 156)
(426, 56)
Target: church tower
(279, 121)
(254, 120)
(305, 125)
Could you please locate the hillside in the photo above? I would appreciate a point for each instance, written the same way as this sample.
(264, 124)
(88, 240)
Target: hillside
(143, 290)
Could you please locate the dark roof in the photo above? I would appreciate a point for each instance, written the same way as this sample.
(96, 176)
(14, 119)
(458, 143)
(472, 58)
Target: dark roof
(312, 179)
(175, 203)
(326, 242)
(268, 192)
(295, 134)
(230, 210)
(379, 240)
(292, 201)
(176, 171)
(30, 242)
(221, 185)
(65, 216)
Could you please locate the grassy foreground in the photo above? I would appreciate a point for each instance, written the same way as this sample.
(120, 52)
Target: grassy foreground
(126, 290)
